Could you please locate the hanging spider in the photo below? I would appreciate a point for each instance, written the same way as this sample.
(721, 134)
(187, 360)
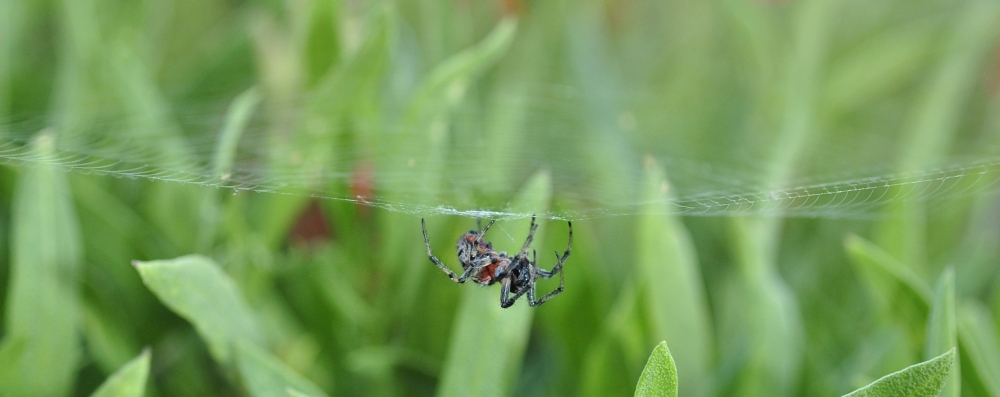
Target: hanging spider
(517, 275)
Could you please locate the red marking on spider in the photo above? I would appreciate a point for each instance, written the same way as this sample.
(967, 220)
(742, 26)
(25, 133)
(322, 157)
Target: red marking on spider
(517, 275)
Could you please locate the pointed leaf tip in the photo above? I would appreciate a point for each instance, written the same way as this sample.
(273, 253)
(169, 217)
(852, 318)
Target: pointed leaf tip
(925, 379)
(659, 377)
(130, 380)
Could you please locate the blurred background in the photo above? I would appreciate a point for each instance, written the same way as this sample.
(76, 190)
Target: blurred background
(798, 196)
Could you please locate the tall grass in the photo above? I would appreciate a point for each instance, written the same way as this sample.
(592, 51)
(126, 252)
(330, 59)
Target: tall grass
(560, 107)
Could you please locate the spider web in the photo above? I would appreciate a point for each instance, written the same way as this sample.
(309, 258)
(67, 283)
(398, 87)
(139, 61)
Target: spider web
(596, 173)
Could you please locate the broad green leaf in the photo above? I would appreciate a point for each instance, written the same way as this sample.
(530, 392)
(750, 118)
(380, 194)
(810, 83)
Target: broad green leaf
(486, 336)
(265, 376)
(195, 288)
(919, 380)
(942, 332)
(129, 381)
(43, 304)
(659, 378)
(675, 302)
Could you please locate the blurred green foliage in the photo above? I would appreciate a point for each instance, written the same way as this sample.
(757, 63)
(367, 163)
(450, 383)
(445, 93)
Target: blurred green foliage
(558, 106)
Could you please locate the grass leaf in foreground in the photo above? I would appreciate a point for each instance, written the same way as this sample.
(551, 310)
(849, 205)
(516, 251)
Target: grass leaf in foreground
(43, 302)
(195, 288)
(659, 378)
(264, 375)
(920, 380)
(129, 381)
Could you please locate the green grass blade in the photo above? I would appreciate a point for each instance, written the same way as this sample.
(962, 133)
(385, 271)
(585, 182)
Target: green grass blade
(264, 376)
(942, 332)
(43, 304)
(977, 333)
(613, 357)
(676, 304)
(920, 380)
(295, 393)
(488, 342)
(659, 378)
(935, 120)
(447, 82)
(322, 42)
(108, 344)
(761, 323)
(877, 263)
(10, 359)
(129, 381)
(195, 288)
(237, 119)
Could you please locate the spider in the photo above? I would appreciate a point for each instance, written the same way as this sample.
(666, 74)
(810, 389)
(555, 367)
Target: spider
(517, 275)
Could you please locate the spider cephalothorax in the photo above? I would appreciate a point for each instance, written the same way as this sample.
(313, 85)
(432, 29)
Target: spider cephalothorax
(517, 275)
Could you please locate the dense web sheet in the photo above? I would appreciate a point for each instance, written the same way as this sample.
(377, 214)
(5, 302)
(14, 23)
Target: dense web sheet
(384, 170)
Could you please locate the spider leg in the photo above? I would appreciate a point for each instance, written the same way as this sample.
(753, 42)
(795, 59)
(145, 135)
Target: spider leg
(437, 262)
(550, 295)
(478, 223)
(531, 290)
(536, 272)
(506, 302)
(531, 236)
(559, 260)
(472, 271)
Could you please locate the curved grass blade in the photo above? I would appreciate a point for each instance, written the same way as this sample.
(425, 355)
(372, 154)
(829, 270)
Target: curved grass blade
(264, 376)
(659, 378)
(129, 381)
(875, 264)
(237, 118)
(977, 335)
(195, 288)
(43, 304)
(447, 81)
(919, 380)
